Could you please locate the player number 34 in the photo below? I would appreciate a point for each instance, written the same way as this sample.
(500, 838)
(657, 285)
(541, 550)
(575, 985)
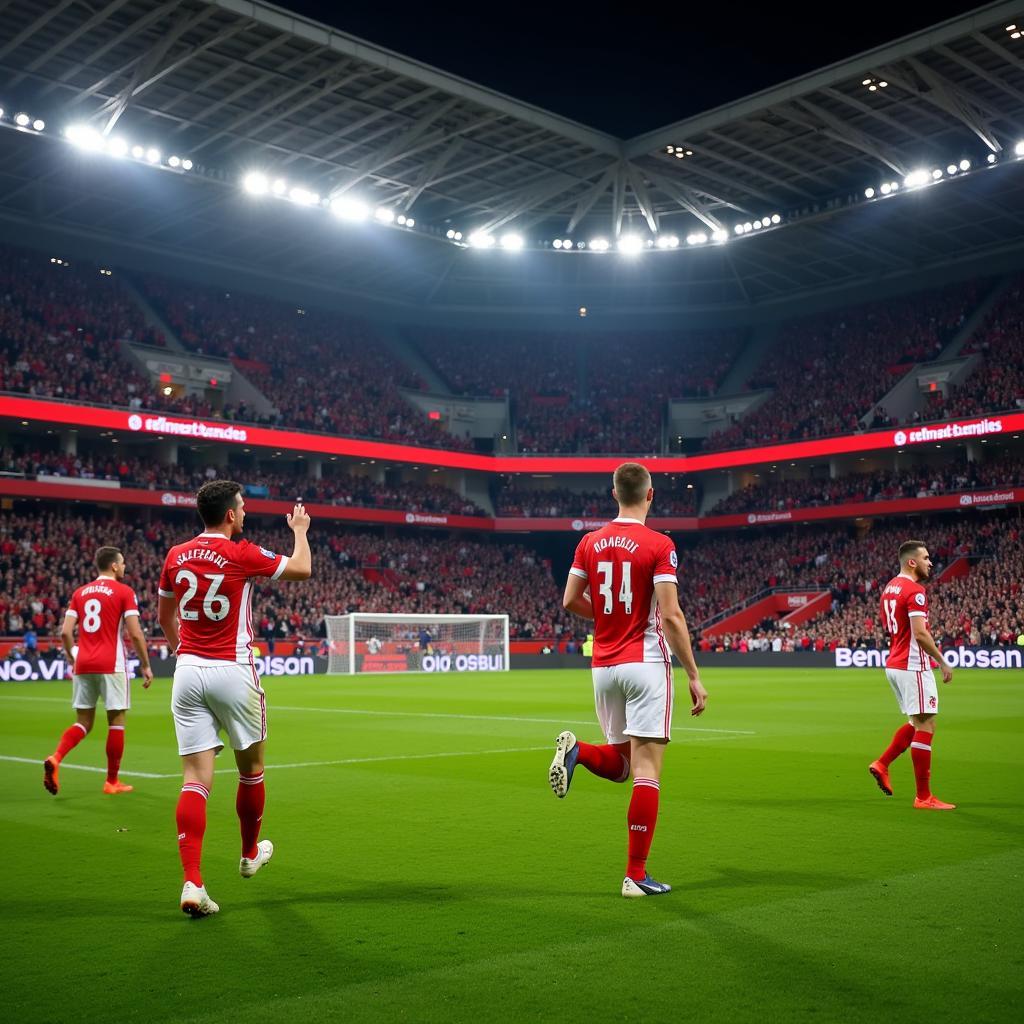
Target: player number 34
(215, 606)
(606, 570)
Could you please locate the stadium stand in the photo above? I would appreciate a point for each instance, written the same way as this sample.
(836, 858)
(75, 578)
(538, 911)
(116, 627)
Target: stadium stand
(336, 488)
(920, 482)
(45, 555)
(322, 371)
(584, 393)
(827, 371)
(513, 500)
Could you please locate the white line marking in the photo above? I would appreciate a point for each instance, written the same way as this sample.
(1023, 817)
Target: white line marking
(428, 714)
(484, 718)
(83, 767)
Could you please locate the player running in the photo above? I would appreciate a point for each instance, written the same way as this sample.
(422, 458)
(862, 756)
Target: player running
(909, 671)
(102, 610)
(624, 578)
(205, 596)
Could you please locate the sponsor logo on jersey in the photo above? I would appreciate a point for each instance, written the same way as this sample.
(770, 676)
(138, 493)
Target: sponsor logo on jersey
(673, 559)
(919, 599)
(268, 554)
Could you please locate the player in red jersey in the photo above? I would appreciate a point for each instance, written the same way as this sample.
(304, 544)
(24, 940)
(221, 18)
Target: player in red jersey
(624, 578)
(102, 610)
(205, 612)
(904, 606)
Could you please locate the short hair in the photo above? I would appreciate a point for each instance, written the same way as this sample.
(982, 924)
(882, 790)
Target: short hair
(631, 481)
(908, 547)
(215, 499)
(106, 556)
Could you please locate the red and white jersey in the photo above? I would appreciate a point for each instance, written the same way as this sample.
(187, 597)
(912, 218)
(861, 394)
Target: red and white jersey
(902, 600)
(101, 608)
(622, 562)
(211, 578)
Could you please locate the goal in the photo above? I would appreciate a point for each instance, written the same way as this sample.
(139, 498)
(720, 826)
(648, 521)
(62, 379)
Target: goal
(362, 642)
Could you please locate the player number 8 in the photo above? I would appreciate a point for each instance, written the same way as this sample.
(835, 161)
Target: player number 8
(215, 606)
(91, 622)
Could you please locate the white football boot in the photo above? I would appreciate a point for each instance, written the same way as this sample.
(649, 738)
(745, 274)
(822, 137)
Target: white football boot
(264, 851)
(195, 902)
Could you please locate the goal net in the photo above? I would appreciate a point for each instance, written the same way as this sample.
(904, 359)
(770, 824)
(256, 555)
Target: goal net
(362, 642)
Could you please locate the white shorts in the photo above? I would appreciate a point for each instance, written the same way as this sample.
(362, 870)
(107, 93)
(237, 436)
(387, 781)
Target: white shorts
(112, 687)
(916, 692)
(208, 698)
(634, 699)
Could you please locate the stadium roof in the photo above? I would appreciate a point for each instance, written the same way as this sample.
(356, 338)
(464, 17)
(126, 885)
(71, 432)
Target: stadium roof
(239, 85)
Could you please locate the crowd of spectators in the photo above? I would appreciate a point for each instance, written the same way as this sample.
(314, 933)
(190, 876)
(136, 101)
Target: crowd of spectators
(322, 371)
(827, 371)
(334, 488)
(600, 393)
(44, 556)
(983, 607)
(997, 382)
(670, 499)
(771, 494)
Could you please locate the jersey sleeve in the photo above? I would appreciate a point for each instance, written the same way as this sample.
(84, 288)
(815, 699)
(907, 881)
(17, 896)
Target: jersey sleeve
(917, 604)
(666, 564)
(73, 606)
(129, 602)
(257, 561)
(579, 567)
(165, 588)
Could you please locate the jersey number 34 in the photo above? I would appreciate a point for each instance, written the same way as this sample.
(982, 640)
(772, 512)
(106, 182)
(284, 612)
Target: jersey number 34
(606, 570)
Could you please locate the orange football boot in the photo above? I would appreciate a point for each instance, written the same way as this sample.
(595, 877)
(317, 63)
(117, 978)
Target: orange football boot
(50, 768)
(932, 803)
(116, 787)
(881, 774)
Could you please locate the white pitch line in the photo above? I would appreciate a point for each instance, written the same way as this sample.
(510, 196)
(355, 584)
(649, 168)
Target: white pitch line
(427, 714)
(485, 718)
(83, 767)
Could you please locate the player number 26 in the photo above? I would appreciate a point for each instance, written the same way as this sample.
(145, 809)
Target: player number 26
(606, 571)
(215, 606)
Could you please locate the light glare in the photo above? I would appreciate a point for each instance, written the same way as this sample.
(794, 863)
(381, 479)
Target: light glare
(255, 183)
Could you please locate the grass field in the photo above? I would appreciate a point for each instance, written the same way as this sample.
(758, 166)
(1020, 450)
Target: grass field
(425, 872)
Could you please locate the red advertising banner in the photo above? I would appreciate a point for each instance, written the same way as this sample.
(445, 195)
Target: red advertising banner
(150, 424)
(47, 490)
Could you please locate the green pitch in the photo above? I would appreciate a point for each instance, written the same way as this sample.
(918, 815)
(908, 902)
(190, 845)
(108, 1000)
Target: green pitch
(425, 872)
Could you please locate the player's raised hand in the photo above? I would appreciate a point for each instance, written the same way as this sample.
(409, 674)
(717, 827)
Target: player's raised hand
(699, 696)
(147, 676)
(298, 518)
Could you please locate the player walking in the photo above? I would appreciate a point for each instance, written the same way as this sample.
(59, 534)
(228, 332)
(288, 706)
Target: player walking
(909, 671)
(630, 572)
(205, 597)
(102, 610)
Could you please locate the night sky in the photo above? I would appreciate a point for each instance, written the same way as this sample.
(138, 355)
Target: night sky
(628, 67)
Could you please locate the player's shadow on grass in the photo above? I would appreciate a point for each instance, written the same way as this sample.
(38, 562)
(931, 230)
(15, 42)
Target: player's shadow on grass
(737, 879)
(372, 892)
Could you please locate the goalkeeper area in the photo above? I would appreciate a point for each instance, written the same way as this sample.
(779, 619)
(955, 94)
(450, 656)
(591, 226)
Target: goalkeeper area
(425, 872)
(361, 642)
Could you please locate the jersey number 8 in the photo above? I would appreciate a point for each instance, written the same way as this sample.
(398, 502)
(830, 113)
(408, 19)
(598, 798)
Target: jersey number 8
(215, 606)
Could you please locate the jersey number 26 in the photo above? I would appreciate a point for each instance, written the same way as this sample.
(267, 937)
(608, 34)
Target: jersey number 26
(215, 606)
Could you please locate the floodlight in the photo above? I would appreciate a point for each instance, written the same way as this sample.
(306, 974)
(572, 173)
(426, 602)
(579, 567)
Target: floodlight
(303, 197)
(965, 165)
(186, 164)
(401, 219)
(951, 169)
(936, 174)
(22, 120)
(630, 245)
(409, 222)
(481, 240)
(349, 208)
(384, 214)
(721, 235)
(991, 158)
(512, 241)
(174, 161)
(451, 234)
(255, 183)
(557, 243)
(738, 229)
(661, 241)
(776, 218)
(117, 147)
(869, 193)
(1018, 150)
(279, 187)
(138, 152)
(916, 178)
(885, 189)
(153, 155)
(599, 244)
(757, 225)
(83, 136)
(38, 124)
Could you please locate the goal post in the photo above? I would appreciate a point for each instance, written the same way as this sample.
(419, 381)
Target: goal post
(363, 642)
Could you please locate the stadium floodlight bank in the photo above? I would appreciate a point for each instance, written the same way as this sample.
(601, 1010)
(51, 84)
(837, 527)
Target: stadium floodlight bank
(364, 643)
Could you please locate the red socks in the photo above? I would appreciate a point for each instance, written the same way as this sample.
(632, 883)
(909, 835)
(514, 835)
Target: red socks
(900, 741)
(191, 817)
(249, 806)
(71, 738)
(115, 751)
(921, 754)
(643, 816)
(608, 761)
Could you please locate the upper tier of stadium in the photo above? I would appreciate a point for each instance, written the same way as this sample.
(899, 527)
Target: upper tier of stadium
(130, 130)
